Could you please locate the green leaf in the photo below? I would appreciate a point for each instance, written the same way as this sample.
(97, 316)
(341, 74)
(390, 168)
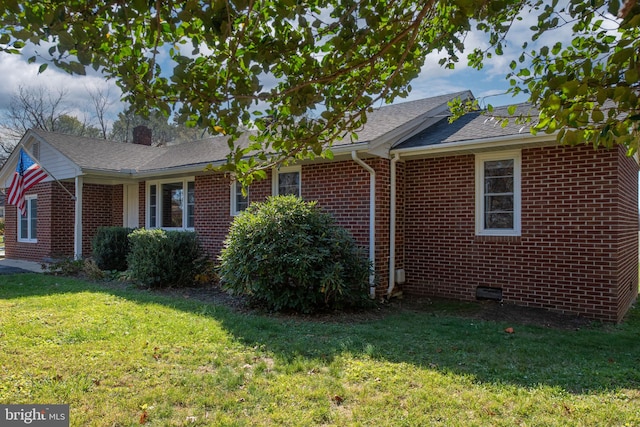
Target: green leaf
(631, 76)
(597, 116)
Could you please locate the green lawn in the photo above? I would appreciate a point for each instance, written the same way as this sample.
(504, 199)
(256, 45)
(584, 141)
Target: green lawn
(121, 356)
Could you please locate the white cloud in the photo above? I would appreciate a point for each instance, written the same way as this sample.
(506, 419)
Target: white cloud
(17, 72)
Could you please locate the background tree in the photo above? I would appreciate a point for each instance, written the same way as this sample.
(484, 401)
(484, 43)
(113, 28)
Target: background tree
(306, 73)
(41, 108)
(73, 126)
(32, 108)
(101, 101)
(163, 131)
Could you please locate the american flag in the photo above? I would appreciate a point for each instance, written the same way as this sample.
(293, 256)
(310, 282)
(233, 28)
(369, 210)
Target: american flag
(28, 173)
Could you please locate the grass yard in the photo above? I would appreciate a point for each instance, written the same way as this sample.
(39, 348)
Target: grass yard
(121, 356)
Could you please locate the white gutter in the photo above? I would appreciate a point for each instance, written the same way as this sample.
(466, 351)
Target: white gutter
(372, 221)
(77, 235)
(392, 226)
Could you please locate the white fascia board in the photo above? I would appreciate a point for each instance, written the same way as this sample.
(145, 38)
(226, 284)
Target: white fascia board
(476, 144)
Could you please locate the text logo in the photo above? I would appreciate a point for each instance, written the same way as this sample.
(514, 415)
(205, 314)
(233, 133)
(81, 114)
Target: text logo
(34, 415)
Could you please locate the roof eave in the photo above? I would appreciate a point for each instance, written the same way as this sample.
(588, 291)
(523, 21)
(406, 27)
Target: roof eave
(475, 145)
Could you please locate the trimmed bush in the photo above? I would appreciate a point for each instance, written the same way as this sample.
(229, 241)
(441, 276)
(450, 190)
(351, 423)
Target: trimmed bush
(160, 258)
(289, 255)
(110, 247)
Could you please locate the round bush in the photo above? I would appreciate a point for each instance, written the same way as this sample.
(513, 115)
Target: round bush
(160, 258)
(110, 247)
(287, 254)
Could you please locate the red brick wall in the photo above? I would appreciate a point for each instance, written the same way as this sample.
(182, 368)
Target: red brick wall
(569, 257)
(102, 205)
(30, 251)
(213, 208)
(61, 220)
(341, 188)
(627, 229)
(142, 203)
(213, 211)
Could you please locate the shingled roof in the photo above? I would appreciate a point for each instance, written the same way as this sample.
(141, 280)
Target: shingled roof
(384, 120)
(103, 155)
(404, 125)
(90, 154)
(471, 127)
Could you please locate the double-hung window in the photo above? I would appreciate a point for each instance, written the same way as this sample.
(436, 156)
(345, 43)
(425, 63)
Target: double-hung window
(28, 223)
(239, 201)
(171, 204)
(498, 197)
(287, 181)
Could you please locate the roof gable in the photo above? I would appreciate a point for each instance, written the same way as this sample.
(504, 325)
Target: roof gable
(392, 124)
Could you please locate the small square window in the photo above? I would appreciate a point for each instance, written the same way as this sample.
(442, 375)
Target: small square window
(287, 181)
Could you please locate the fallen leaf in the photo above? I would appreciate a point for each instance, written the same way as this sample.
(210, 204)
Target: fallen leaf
(144, 417)
(337, 399)
(509, 330)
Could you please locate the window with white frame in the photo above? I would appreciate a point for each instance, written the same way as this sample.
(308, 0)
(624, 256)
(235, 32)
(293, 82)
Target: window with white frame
(239, 201)
(171, 204)
(498, 197)
(287, 181)
(28, 223)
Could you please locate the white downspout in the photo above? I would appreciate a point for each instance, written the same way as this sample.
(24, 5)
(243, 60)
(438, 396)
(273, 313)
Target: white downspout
(372, 221)
(392, 226)
(77, 235)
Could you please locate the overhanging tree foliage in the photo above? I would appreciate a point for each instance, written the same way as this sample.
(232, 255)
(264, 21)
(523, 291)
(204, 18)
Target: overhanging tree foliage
(304, 73)
(585, 88)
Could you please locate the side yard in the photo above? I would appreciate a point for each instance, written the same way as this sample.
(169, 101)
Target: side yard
(124, 356)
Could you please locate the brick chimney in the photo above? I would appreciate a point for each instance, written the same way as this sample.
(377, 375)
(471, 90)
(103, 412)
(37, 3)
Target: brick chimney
(142, 135)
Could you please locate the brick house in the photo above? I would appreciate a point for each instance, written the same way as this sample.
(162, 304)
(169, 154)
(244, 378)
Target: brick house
(465, 210)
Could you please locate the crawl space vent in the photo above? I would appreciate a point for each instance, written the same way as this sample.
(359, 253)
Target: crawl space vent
(488, 293)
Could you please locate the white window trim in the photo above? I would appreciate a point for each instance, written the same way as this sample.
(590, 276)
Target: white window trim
(286, 169)
(234, 196)
(30, 239)
(516, 155)
(158, 184)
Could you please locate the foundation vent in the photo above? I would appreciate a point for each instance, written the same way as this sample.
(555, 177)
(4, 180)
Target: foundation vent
(488, 293)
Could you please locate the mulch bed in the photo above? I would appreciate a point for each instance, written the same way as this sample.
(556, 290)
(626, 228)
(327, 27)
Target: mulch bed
(483, 310)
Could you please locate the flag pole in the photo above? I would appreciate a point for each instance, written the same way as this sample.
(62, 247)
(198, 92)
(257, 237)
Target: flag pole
(44, 169)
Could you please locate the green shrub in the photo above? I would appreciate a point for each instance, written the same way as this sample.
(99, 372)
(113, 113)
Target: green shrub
(110, 247)
(160, 258)
(64, 267)
(288, 254)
